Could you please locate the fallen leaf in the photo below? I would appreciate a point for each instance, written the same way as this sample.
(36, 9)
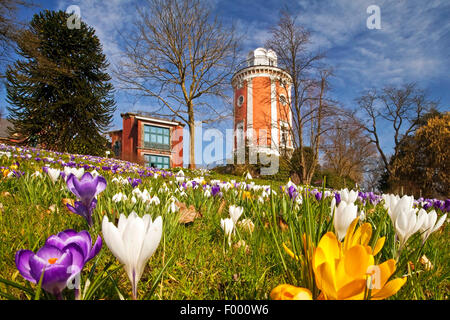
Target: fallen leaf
(222, 206)
(241, 243)
(425, 262)
(187, 215)
(283, 225)
(66, 201)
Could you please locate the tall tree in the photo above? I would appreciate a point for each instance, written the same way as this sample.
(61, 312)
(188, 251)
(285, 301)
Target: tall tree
(310, 105)
(181, 56)
(59, 92)
(9, 28)
(422, 164)
(401, 108)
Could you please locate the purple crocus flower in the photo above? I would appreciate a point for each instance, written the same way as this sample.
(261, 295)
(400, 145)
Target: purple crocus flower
(292, 191)
(134, 182)
(447, 205)
(61, 259)
(337, 196)
(318, 196)
(85, 189)
(215, 190)
(426, 205)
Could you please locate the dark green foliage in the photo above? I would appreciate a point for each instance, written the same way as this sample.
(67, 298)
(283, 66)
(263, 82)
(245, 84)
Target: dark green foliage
(59, 92)
(334, 181)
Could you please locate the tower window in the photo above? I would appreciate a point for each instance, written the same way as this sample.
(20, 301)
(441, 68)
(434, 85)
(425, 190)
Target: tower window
(283, 100)
(240, 100)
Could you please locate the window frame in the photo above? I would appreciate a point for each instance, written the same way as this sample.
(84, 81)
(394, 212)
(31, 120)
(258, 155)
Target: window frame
(159, 159)
(151, 131)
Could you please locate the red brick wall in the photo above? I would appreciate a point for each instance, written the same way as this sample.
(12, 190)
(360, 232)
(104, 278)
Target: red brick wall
(177, 146)
(129, 139)
(133, 142)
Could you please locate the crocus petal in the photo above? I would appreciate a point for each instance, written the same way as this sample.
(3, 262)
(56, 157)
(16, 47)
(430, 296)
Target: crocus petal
(78, 257)
(152, 239)
(95, 249)
(113, 240)
(22, 259)
(379, 245)
(389, 289)
(439, 223)
(353, 290)
(290, 292)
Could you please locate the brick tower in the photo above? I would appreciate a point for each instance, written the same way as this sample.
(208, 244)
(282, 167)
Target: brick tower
(262, 117)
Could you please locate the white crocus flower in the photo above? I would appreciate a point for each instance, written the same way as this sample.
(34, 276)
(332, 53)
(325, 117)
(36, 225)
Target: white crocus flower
(248, 176)
(180, 173)
(53, 174)
(207, 193)
(119, 197)
(155, 200)
(133, 242)
(344, 214)
(173, 207)
(235, 213)
(227, 226)
(36, 174)
(407, 223)
(348, 196)
(76, 172)
(430, 225)
(133, 200)
(396, 206)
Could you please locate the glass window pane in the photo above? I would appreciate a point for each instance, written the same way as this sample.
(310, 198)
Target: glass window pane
(153, 159)
(166, 140)
(159, 139)
(159, 130)
(166, 160)
(153, 129)
(153, 138)
(166, 131)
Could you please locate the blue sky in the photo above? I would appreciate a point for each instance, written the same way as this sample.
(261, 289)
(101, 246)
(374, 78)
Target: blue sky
(411, 46)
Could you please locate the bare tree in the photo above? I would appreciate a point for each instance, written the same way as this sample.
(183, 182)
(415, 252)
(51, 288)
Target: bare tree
(9, 27)
(401, 108)
(347, 150)
(183, 58)
(309, 104)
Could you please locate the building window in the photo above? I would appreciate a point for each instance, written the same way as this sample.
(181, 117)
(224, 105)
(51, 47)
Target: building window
(240, 134)
(156, 137)
(240, 101)
(160, 162)
(117, 148)
(285, 134)
(283, 100)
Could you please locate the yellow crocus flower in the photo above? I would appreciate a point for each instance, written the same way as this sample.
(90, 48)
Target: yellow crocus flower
(347, 270)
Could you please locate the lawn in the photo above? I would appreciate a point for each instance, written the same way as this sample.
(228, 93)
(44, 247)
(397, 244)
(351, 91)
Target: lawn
(195, 259)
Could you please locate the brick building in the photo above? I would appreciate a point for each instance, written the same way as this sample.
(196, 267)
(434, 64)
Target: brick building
(262, 116)
(153, 142)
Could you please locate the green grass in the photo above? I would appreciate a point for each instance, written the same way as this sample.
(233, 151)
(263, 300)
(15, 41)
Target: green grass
(192, 261)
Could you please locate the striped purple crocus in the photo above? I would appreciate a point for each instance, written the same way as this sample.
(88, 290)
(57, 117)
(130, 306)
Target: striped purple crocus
(59, 261)
(86, 189)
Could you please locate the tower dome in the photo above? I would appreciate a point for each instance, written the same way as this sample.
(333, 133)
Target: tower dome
(262, 57)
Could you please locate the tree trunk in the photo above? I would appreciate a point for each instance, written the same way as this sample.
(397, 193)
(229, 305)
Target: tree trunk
(191, 138)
